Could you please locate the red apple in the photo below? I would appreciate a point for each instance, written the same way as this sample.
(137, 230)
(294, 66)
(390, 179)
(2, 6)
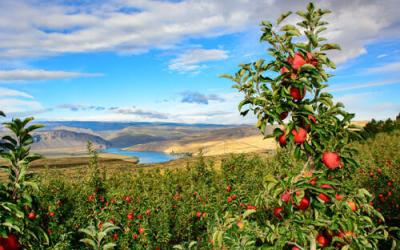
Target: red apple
(278, 211)
(115, 237)
(31, 216)
(297, 94)
(283, 115)
(324, 197)
(282, 139)
(141, 230)
(326, 186)
(130, 216)
(338, 197)
(304, 203)
(9, 243)
(300, 135)
(352, 205)
(286, 197)
(322, 241)
(331, 160)
(298, 61)
(312, 119)
(228, 188)
(284, 70)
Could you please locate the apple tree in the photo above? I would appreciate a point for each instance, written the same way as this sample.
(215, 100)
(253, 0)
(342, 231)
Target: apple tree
(309, 208)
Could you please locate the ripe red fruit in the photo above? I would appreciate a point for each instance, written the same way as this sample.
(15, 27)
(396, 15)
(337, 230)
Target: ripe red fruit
(338, 197)
(282, 139)
(379, 170)
(127, 199)
(52, 214)
(91, 198)
(286, 197)
(198, 215)
(300, 135)
(228, 188)
(331, 160)
(298, 61)
(352, 205)
(135, 236)
(326, 186)
(240, 224)
(297, 94)
(278, 211)
(283, 115)
(304, 203)
(9, 243)
(313, 181)
(148, 212)
(251, 207)
(141, 230)
(295, 248)
(130, 216)
(311, 59)
(322, 241)
(229, 199)
(284, 70)
(115, 237)
(234, 197)
(312, 119)
(31, 216)
(324, 197)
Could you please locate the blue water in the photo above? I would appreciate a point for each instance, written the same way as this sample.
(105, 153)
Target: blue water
(144, 157)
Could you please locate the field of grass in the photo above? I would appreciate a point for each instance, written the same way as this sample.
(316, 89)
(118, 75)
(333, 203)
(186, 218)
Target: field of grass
(165, 199)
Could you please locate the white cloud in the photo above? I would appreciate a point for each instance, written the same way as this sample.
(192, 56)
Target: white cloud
(12, 105)
(390, 67)
(382, 55)
(353, 86)
(31, 75)
(4, 92)
(191, 60)
(53, 28)
(365, 109)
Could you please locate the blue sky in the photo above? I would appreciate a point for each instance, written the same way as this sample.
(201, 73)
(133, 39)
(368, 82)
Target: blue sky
(142, 60)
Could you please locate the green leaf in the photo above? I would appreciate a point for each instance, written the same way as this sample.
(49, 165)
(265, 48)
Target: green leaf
(89, 242)
(283, 17)
(330, 46)
(109, 246)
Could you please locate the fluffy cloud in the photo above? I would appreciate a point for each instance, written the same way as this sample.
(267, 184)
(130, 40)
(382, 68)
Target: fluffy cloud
(142, 113)
(32, 75)
(386, 68)
(5, 92)
(196, 97)
(365, 109)
(354, 86)
(191, 60)
(11, 105)
(127, 26)
(78, 107)
(17, 103)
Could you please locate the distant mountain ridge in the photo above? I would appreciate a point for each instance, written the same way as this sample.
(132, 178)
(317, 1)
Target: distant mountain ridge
(107, 126)
(65, 139)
